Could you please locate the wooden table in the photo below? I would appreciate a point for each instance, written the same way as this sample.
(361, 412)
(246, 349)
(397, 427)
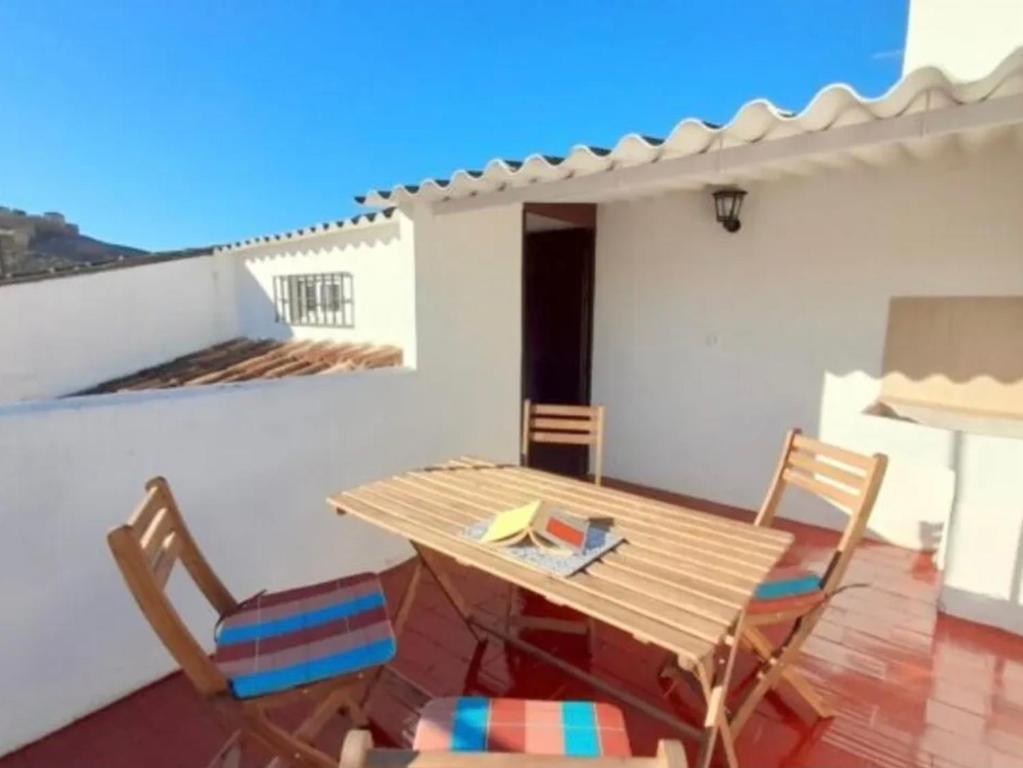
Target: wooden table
(681, 580)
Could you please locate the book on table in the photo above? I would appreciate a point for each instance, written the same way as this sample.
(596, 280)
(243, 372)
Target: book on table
(547, 526)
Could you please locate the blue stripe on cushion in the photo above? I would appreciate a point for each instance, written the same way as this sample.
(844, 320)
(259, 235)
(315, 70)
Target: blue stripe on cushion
(246, 632)
(580, 722)
(801, 585)
(469, 727)
(259, 683)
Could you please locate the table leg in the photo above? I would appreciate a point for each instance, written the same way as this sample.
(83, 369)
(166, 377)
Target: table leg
(451, 592)
(400, 619)
(715, 683)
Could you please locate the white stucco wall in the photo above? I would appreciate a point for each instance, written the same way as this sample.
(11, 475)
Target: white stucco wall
(966, 38)
(382, 266)
(251, 464)
(65, 334)
(709, 346)
(983, 575)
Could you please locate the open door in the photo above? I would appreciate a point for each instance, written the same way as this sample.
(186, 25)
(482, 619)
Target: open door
(557, 318)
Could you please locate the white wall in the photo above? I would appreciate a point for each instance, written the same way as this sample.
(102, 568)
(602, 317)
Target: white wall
(983, 576)
(966, 38)
(61, 335)
(709, 346)
(382, 266)
(252, 464)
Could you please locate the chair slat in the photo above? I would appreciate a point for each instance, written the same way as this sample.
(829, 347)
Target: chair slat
(146, 510)
(165, 559)
(563, 410)
(564, 438)
(831, 492)
(565, 425)
(153, 537)
(836, 473)
(568, 425)
(810, 445)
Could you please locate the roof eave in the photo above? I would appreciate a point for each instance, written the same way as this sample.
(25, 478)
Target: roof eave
(834, 110)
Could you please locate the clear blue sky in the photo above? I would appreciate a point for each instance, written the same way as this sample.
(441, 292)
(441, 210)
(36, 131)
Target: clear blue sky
(166, 124)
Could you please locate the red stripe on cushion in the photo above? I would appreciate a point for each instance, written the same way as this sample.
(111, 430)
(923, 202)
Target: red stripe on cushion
(789, 573)
(260, 611)
(300, 654)
(298, 593)
(614, 740)
(785, 604)
(302, 636)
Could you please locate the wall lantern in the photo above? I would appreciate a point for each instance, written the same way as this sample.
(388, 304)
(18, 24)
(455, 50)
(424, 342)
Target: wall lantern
(727, 204)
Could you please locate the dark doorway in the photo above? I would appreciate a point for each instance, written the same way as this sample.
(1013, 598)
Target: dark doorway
(557, 318)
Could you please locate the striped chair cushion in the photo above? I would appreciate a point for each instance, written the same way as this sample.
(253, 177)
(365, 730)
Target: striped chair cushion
(280, 640)
(787, 588)
(573, 728)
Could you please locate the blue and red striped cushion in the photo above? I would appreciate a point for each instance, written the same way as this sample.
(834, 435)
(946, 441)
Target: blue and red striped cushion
(474, 724)
(280, 640)
(787, 588)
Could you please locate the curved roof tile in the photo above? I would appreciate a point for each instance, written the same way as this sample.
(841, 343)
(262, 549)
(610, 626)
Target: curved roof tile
(359, 221)
(757, 120)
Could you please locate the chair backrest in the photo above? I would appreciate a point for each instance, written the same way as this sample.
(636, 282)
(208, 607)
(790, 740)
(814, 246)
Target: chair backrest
(847, 479)
(358, 752)
(564, 425)
(146, 549)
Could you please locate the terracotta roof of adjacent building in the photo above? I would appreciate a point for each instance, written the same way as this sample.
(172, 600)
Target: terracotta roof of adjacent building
(247, 359)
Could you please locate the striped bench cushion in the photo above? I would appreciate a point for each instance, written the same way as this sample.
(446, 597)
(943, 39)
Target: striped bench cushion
(280, 640)
(787, 588)
(573, 728)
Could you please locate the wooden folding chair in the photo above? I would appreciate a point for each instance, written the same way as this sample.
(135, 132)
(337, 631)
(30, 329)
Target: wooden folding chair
(324, 644)
(848, 480)
(476, 732)
(561, 425)
(565, 425)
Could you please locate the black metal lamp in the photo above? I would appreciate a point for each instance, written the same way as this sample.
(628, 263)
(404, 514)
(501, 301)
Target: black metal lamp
(727, 204)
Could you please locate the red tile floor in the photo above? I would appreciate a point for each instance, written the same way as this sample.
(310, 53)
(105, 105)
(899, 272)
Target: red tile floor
(911, 687)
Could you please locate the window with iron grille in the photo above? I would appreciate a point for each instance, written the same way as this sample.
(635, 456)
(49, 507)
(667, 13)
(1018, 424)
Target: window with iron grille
(324, 299)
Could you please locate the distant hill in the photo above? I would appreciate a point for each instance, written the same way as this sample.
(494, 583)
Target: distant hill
(47, 243)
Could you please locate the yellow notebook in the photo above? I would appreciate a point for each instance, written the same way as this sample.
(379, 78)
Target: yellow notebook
(511, 524)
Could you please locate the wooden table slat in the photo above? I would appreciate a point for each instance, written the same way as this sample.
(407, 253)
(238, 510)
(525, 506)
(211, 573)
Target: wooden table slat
(675, 530)
(680, 580)
(492, 499)
(690, 650)
(734, 533)
(650, 606)
(708, 519)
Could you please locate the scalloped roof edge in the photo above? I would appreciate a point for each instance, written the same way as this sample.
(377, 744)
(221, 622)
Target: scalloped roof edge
(752, 122)
(358, 222)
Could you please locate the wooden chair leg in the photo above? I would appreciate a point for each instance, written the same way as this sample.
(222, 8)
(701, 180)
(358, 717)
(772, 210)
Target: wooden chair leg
(288, 749)
(230, 753)
(773, 668)
(791, 676)
(296, 747)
